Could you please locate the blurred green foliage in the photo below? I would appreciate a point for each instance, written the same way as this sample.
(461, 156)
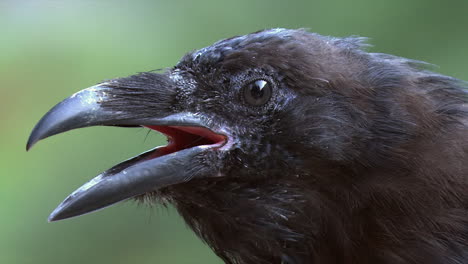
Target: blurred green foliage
(50, 49)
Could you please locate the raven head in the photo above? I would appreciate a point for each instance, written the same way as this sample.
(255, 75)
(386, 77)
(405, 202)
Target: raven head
(283, 144)
(223, 108)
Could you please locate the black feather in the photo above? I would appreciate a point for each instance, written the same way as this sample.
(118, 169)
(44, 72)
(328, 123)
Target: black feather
(358, 157)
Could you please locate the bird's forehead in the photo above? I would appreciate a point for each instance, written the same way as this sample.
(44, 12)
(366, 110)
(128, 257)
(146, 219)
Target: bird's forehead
(219, 50)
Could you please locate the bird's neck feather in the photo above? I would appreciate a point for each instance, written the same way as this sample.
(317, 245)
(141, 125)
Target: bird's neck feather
(277, 218)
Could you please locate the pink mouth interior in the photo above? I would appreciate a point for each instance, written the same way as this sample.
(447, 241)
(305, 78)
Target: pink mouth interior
(184, 137)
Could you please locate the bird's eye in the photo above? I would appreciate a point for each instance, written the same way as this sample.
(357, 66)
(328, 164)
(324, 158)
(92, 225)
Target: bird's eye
(257, 93)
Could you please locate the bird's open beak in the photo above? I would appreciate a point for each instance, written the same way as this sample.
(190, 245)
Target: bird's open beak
(189, 136)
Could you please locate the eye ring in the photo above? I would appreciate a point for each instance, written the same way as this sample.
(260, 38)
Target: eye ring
(257, 92)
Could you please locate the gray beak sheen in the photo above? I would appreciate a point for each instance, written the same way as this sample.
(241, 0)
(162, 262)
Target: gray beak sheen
(130, 178)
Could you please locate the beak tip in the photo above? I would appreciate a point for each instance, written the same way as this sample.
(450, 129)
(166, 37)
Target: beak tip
(37, 134)
(53, 216)
(57, 214)
(30, 143)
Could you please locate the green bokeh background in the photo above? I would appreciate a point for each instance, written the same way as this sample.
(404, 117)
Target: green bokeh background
(50, 49)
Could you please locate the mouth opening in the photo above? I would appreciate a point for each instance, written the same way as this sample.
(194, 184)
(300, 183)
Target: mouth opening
(184, 137)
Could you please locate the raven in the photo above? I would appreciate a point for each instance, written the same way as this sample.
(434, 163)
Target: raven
(285, 146)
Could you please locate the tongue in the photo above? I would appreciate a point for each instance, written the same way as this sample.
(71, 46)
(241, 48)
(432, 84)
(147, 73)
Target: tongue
(184, 135)
(172, 133)
(181, 138)
(203, 132)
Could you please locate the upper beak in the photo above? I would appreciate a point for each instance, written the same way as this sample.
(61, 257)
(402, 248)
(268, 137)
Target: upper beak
(147, 172)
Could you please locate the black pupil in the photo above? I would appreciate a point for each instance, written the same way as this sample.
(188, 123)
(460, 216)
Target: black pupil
(257, 92)
(256, 89)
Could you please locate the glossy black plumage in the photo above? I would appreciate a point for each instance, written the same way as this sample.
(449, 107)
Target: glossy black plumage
(357, 157)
